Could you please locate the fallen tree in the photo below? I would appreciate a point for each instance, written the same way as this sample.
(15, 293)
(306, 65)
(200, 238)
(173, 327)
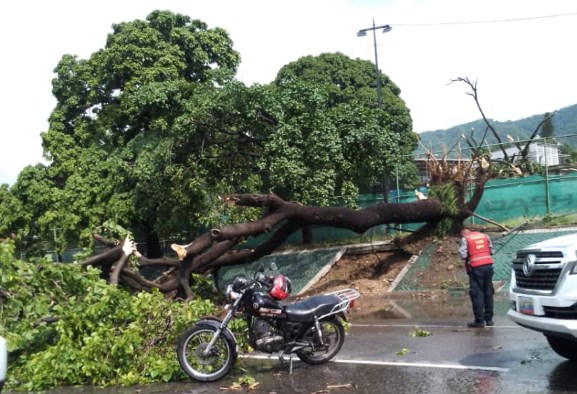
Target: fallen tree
(216, 248)
(450, 200)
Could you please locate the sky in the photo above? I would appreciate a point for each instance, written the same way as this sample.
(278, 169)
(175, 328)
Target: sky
(520, 53)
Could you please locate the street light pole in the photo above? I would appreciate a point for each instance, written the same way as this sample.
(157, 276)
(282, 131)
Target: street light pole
(363, 33)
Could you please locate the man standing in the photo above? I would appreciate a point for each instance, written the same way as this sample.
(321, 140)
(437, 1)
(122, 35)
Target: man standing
(475, 249)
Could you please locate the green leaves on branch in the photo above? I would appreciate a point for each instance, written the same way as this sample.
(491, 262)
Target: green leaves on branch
(66, 326)
(152, 128)
(332, 142)
(446, 194)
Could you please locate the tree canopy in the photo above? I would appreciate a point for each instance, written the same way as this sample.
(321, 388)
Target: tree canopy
(132, 124)
(149, 131)
(67, 327)
(342, 141)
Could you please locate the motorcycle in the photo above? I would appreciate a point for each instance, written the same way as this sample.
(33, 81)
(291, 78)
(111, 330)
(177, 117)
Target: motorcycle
(311, 328)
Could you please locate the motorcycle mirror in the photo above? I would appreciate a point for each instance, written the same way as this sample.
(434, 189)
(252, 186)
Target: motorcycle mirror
(259, 271)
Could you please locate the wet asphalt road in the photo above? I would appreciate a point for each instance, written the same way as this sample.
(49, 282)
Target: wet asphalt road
(382, 355)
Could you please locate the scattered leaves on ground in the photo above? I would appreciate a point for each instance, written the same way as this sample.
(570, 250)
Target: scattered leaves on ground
(332, 387)
(243, 382)
(403, 351)
(418, 332)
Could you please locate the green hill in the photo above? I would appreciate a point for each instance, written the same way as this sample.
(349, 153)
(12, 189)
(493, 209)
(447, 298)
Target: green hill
(564, 123)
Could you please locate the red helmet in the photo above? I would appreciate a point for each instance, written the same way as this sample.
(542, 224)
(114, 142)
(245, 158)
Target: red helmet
(281, 287)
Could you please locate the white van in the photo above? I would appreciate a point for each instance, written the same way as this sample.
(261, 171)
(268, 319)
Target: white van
(544, 292)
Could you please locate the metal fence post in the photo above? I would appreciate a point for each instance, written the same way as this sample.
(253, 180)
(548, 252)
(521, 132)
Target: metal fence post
(547, 196)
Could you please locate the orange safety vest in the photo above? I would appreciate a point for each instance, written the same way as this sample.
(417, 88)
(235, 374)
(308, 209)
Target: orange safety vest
(478, 249)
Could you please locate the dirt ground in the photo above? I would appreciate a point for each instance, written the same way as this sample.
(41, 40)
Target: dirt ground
(374, 273)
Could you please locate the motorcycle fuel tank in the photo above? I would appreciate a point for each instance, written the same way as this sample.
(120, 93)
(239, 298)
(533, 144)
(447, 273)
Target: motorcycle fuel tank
(263, 305)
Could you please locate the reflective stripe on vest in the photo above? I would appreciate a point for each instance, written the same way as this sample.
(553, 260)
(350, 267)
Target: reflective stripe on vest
(478, 249)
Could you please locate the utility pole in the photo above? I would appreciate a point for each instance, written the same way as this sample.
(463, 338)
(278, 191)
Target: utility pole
(363, 33)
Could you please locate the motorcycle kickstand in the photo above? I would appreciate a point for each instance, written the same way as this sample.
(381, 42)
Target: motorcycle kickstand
(282, 360)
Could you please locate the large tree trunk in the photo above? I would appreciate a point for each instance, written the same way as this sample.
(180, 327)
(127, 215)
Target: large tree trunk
(216, 248)
(153, 249)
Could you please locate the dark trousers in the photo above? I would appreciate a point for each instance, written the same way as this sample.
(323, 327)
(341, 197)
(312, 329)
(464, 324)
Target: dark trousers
(481, 292)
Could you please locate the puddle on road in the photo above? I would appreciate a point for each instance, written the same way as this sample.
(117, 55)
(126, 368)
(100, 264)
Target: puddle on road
(420, 305)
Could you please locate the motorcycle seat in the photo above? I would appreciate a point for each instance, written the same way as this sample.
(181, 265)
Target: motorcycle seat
(306, 310)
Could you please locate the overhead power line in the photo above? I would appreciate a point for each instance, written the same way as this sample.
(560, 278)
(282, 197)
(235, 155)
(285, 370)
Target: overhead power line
(486, 21)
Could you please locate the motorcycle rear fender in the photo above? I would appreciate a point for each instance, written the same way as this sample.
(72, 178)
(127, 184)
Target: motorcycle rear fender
(215, 323)
(341, 315)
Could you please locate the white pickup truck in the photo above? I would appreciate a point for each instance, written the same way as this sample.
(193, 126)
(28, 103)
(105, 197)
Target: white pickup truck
(544, 292)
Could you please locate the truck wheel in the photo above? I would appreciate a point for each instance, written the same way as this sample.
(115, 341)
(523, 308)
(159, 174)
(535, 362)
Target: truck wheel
(564, 347)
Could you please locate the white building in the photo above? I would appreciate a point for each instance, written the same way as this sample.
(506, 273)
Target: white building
(540, 153)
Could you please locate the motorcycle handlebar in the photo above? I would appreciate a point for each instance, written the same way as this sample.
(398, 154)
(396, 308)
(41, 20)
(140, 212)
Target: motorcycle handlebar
(260, 280)
(263, 280)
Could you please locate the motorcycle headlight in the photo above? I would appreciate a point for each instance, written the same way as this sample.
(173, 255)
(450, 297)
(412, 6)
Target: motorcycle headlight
(231, 295)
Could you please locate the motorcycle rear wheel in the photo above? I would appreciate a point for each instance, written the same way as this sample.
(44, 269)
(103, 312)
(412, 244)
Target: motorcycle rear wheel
(205, 368)
(333, 335)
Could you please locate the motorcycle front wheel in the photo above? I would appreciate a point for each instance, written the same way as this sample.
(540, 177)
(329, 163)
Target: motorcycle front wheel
(333, 335)
(198, 365)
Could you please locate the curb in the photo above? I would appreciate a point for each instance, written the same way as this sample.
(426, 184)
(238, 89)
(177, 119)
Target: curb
(402, 274)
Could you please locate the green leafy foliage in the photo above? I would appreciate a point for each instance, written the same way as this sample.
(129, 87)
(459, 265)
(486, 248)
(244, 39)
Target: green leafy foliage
(419, 332)
(66, 326)
(446, 194)
(113, 230)
(137, 135)
(148, 131)
(332, 140)
(11, 211)
(244, 381)
(403, 352)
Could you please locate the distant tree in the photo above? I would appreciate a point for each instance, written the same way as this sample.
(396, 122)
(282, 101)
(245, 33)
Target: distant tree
(332, 124)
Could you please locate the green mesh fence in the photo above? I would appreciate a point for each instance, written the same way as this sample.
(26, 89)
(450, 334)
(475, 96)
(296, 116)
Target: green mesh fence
(505, 248)
(503, 199)
(301, 267)
(529, 197)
